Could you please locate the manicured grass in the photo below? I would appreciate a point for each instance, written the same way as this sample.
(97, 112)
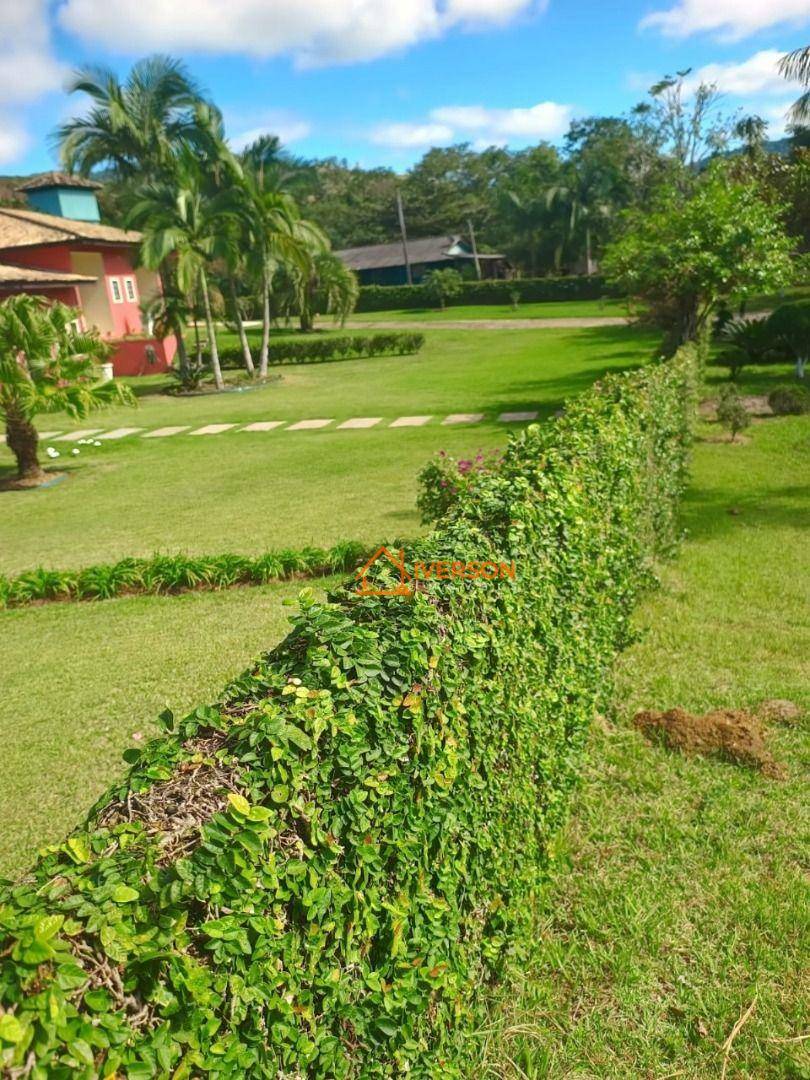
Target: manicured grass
(80, 679)
(563, 309)
(249, 492)
(680, 898)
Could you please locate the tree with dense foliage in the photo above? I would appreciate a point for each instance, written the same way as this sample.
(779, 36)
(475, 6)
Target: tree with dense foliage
(443, 285)
(47, 365)
(789, 325)
(688, 252)
(795, 66)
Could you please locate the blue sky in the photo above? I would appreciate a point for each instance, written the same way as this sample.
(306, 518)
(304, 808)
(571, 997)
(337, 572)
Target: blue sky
(378, 81)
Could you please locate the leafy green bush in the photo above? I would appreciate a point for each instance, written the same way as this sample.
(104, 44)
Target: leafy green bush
(731, 411)
(790, 400)
(512, 292)
(319, 350)
(176, 573)
(443, 285)
(444, 479)
(317, 875)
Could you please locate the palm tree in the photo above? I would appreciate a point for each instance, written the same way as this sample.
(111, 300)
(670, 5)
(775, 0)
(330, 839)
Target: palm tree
(277, 235)
(795, 66)
(581, 204)
(132, 128)
(184, 222)
(751, 131)
(46, 366)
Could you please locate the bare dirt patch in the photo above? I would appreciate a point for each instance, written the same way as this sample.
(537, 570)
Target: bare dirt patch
(731, 734)
(755, 404)
(779, 711)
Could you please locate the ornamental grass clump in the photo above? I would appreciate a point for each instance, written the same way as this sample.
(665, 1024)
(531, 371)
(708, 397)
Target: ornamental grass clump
(320, 874)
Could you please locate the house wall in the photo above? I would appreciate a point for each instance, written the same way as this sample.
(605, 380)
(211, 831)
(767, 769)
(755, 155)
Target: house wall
(94, 300)
(80, 204)
(396, 275)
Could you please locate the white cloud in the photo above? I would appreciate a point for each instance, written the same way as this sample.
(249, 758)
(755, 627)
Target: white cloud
(411, 136)
(317, 32)
(758, 74)
(14, 140)
(483, 126)
(286, 125)
(730, 20)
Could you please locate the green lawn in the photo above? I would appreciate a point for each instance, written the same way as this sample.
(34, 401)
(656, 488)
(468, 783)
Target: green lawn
(681, 896)
(247, 492)
(563, 309)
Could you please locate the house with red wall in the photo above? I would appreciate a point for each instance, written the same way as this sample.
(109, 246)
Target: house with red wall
(57, 247)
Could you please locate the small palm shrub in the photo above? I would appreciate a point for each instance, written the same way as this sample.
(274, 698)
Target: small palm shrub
(748, 341)
(790, 400)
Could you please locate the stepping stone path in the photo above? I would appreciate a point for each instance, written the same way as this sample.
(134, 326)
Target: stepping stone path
(308, 425)
(516, 417)
(361, 422)
(212, 429)
(119, 433)
(464, 418)
(410, 421)
(162, 432)
(74, 436)
(354, 423)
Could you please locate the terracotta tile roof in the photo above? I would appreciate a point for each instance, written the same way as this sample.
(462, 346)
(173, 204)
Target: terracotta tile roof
(26, 228)
(28, 275)
(58, 179)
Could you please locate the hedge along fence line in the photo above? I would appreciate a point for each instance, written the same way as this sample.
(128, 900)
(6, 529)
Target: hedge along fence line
(319, 350)
(162, 574)
(495, 291)
(318, 875)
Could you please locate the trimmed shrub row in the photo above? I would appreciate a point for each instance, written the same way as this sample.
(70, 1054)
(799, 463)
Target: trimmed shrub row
(318, 875)
(318, 350)
(530, 290)
(176, 573)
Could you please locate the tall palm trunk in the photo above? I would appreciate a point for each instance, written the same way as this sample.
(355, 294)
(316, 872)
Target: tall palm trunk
(240, 328)
(22, 440)
(167, 282)
(212, 337)
(588, 259)
(263, 355)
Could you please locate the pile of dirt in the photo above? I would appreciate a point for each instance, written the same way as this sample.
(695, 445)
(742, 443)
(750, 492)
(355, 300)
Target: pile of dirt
(732, 734)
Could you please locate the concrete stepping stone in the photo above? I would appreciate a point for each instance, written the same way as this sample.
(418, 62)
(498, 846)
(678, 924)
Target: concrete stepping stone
(74, 436)
(463, 418)
(162, 432)
(361, 422)
(119, 432)
(410, 421)
(212, 429)
(516, 417)
(308, 425)
(263, 425)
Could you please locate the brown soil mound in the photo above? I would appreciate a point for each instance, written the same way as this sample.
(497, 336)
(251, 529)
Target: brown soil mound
(779, 711)
(732, 734)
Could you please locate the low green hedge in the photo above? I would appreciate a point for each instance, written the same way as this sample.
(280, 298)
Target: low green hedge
(318, 875)
(318, 350)
(530, 290)
(176, 573)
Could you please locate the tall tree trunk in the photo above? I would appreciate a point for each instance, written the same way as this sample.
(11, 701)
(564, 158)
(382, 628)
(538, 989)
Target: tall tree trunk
(263, 354)
(212, 337)
(22, 440)
(588, 260)
(240, 328)
(167, 283)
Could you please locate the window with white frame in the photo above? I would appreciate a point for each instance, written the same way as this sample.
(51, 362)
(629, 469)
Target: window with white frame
(115, 289)
(129, 289)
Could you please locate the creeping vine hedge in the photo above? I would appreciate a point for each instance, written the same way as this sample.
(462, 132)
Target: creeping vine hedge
(317, 875)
